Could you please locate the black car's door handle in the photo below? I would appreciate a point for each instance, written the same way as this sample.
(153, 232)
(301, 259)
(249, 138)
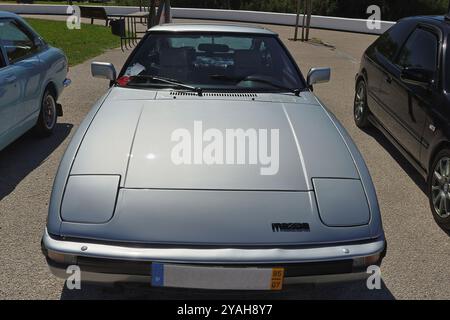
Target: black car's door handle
(388, 79)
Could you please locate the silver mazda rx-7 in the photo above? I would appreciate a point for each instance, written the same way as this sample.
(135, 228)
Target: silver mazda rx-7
(210, 163)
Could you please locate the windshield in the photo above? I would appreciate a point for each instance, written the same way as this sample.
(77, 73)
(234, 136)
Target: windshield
(214, 61)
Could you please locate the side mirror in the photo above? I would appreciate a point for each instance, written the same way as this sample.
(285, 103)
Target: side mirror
(318, 75)
(104, 70)
(417, 76)
(37, 42)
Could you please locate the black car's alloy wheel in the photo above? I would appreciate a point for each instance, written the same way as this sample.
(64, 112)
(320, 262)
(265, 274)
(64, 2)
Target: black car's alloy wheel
(361, 111)
(439, 188)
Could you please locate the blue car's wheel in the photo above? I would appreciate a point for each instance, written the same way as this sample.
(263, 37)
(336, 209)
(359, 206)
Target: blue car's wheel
(48, 116)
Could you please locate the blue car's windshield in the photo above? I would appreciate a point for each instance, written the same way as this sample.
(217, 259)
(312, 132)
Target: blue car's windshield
(218, 61)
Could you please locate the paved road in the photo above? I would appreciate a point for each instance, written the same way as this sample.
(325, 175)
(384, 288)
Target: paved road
(418, 260)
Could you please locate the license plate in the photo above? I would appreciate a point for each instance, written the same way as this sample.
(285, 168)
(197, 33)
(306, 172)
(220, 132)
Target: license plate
(216, 278)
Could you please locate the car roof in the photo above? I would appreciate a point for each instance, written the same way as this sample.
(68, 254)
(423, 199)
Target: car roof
(442, 21)
(225, 28)
(6, 14)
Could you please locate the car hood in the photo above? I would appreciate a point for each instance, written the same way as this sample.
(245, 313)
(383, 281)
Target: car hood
(125, 187)
(136, 136)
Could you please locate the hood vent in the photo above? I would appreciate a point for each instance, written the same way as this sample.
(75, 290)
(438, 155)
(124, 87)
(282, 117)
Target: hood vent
(215, 94)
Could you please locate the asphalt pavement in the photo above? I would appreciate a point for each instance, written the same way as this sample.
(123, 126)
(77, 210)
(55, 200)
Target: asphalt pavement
(417, 265)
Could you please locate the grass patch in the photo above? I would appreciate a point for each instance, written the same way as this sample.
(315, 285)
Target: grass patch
(78, 45)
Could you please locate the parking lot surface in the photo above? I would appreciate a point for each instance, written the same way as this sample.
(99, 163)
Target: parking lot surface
(417, 264)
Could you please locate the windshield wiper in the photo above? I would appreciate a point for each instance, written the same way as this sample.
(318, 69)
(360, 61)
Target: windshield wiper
(173, 82)
(256, 79)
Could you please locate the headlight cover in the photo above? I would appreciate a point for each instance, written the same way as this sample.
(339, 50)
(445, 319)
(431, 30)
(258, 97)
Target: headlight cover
(341, 202)
(90, 198)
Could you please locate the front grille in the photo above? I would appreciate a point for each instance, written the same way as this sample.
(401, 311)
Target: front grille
(144, 268)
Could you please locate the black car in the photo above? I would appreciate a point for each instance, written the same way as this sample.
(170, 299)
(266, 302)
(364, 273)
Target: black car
(403, 89)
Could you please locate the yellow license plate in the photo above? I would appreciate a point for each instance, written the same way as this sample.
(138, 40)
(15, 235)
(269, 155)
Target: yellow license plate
(277, 278)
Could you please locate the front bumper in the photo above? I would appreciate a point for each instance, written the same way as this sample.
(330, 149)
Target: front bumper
(119, 263)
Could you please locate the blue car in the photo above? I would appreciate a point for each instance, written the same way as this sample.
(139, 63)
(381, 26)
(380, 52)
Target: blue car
(32, 76)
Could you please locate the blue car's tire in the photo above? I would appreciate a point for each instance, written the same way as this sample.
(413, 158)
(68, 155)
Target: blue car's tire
(48, 115)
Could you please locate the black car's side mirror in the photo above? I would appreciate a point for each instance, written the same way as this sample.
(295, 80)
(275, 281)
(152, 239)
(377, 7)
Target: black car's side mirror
(417, 76)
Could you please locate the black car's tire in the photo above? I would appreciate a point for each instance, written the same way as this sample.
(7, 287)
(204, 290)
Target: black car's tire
(360, 108)
(48, 115)
(438, 189)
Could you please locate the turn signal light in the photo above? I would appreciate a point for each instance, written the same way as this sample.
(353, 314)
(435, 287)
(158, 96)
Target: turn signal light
(366, 261)
(61, 258)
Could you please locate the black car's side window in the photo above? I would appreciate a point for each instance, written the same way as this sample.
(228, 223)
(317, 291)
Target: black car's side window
(387, 46)
(391, 41)
(420, 51)
(16, 41)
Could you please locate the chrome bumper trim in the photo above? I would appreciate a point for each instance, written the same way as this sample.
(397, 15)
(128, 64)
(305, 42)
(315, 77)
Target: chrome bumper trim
(212, 256)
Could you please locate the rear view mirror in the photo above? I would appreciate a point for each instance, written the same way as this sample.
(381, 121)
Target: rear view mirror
(104, 70)
(417, 76)
(318, 75)
(210, 47)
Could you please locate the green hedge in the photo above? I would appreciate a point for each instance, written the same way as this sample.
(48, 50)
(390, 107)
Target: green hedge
(391, 9)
